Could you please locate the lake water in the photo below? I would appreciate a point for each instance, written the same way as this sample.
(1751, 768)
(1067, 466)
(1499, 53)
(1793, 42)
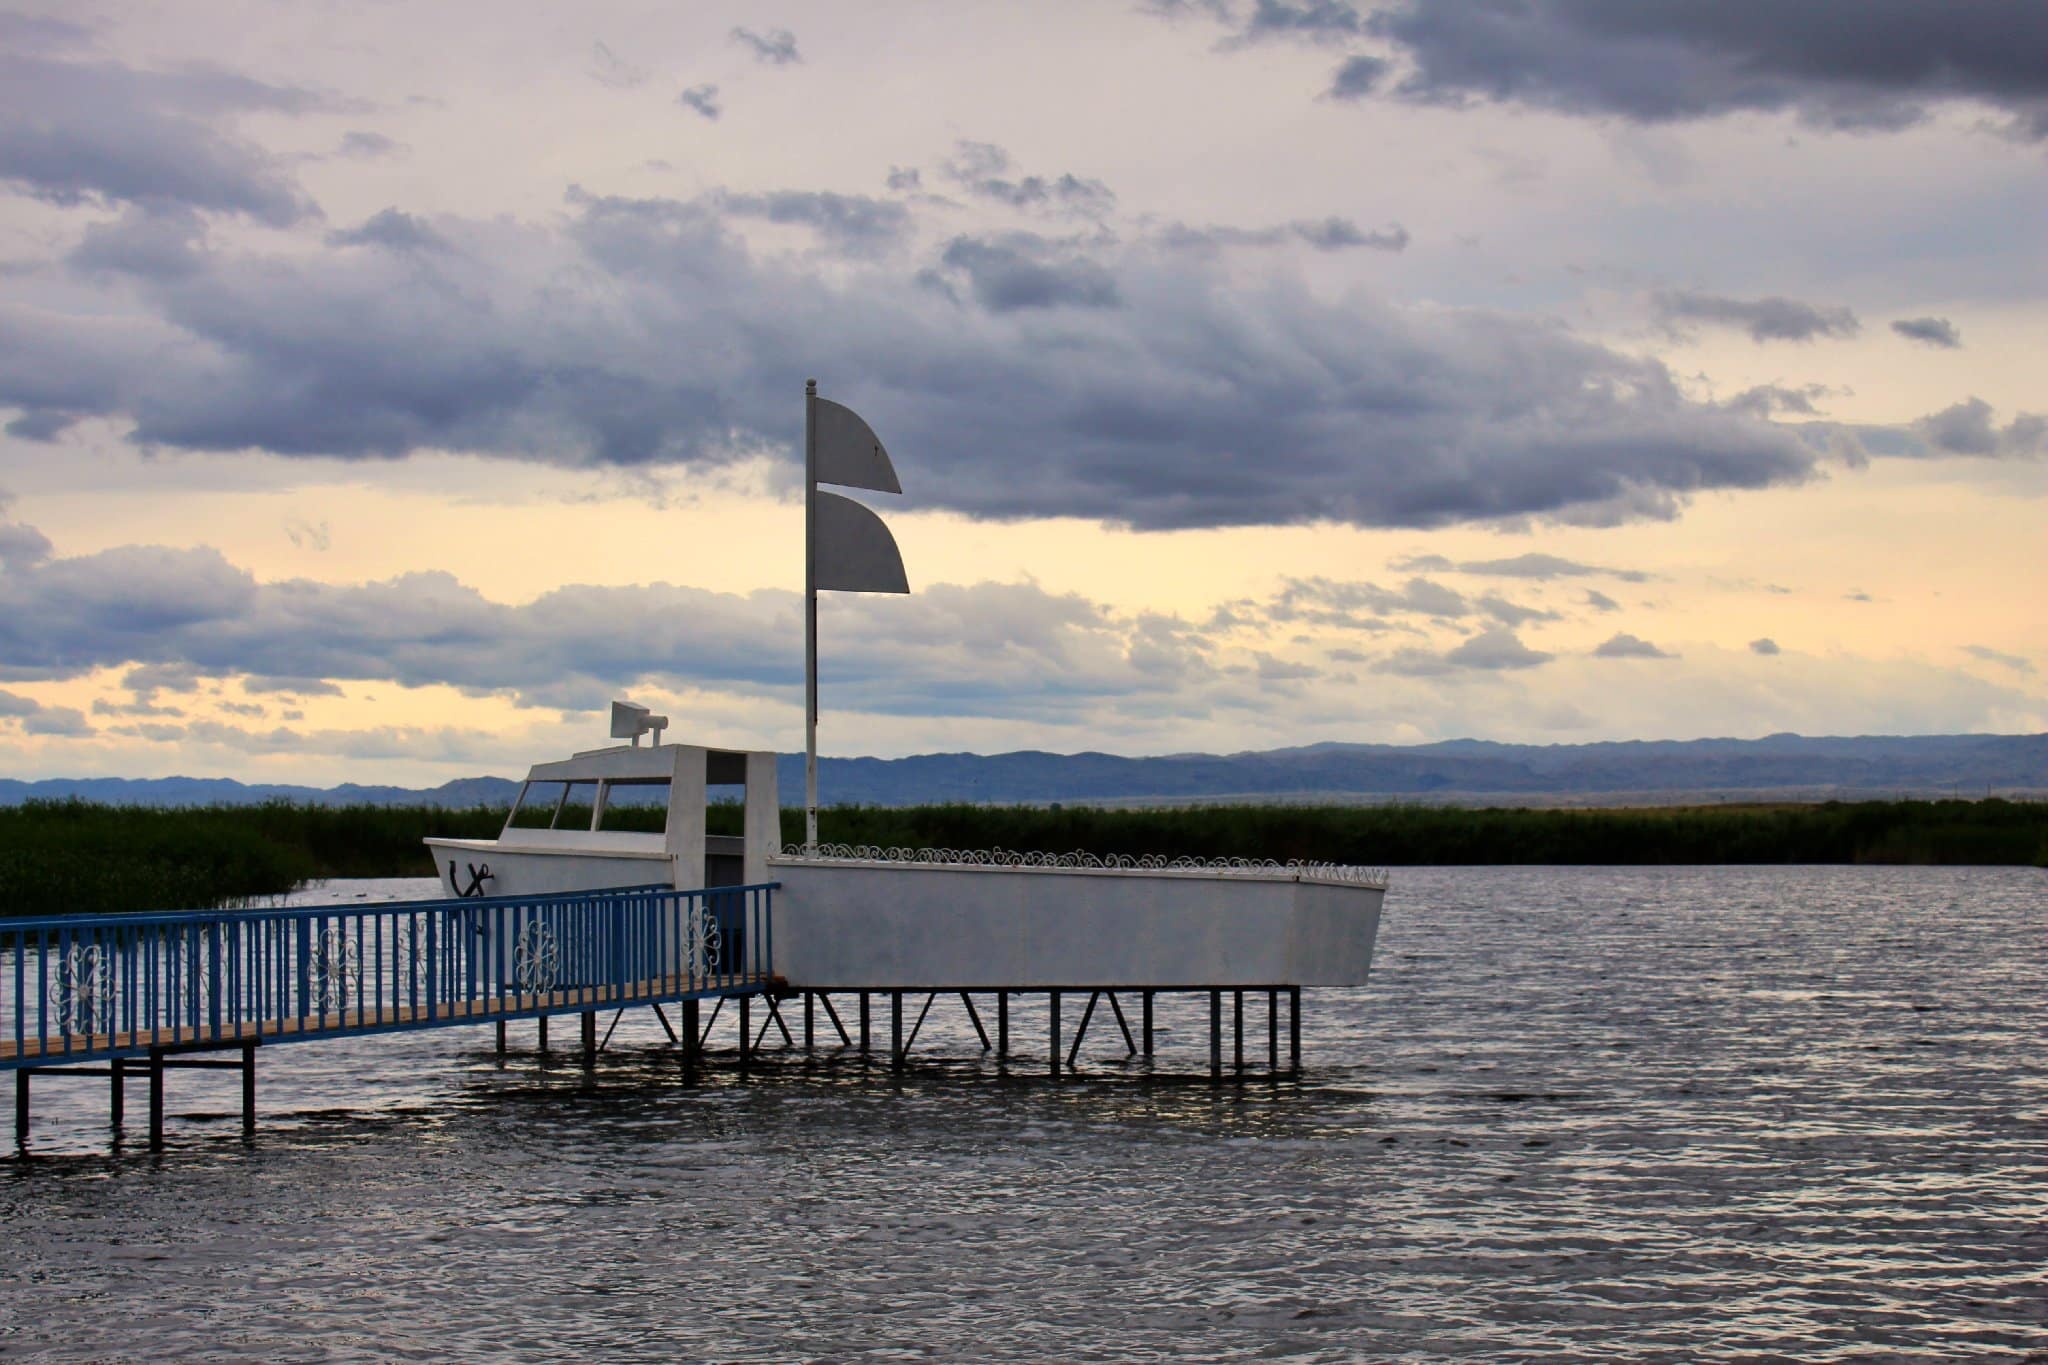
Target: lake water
(1692, 1113)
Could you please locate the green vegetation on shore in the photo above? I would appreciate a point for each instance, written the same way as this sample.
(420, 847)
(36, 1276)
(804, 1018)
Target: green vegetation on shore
(74, 857)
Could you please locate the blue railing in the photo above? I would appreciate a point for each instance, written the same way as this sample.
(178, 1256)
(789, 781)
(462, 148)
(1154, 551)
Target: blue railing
(92, 986)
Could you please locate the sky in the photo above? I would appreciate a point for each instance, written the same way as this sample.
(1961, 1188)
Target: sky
(386, 387)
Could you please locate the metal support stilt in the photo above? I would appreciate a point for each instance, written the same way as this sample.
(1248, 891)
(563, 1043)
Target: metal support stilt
(1003, 1026)
(825, 999)
(775, 1018)
(589, 1039)
(117, 1097)
(21, 1108)
(746, 1032)
(895, 1030)
(666, 1026)
(1148, 1023)
(1130, 1045)
(1294, 1030)
(501, 1037)
(1215, 1036)
(1082, 1032)
(693, 1045)
(810, 1026)
(156, 1101)
(1272, 1033)
(975, 1015)
(248, 1090)
(541, 1033)
(1053, 1010)
(864, 1029)
(1237, 1024)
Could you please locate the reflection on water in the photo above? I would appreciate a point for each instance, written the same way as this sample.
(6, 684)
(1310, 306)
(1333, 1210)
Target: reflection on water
(1690, 1113)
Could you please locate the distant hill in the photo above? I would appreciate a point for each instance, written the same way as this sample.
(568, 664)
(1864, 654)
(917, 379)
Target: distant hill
(1464, 771)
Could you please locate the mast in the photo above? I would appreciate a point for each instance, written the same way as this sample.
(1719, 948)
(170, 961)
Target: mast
(810, 615)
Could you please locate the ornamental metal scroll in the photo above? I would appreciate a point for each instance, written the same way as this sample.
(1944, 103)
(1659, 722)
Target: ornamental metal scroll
(336, 967)
(536, 959)
(874, 854)
(81, 995)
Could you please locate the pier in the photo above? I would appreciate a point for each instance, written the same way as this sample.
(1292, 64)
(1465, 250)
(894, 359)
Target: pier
(870, 946)
(127, 996)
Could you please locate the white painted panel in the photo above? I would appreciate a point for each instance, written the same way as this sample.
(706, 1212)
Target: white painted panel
(930, 926)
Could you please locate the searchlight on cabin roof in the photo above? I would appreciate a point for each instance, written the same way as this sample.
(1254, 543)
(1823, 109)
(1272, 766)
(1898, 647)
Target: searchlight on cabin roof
(630, 720)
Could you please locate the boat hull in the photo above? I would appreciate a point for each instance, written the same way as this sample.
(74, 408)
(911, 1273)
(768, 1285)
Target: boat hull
(516, 871)
(881, 926)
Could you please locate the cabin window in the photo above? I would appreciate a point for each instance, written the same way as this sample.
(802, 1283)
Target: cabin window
(536, 806)
(638, 805)
(725, 806)
(554, 805)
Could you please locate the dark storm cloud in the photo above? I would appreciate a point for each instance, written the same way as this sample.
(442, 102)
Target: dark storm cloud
(982, 169)
(703, 99)
(1196, 401)
(1765, 645)
(392, 229)
(1967, 428)
(776, 47)
(1324, 234)
(1357, 77)
(1932, 331)
(1622, 645)
(1839, 63)
(84, 131)
(854, 223)
(1765, 400)
(1770, 319)
(1021, 271)
(1318, 21)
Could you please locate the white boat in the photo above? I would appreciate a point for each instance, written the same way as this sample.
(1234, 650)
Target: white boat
(535, 854)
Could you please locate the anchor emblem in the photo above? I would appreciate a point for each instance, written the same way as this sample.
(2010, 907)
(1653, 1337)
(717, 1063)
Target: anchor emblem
(478, 875)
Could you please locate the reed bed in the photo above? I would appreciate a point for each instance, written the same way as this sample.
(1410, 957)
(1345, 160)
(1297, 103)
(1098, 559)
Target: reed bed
(75, 857)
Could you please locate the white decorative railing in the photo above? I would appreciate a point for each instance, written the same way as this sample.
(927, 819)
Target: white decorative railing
(876, 856)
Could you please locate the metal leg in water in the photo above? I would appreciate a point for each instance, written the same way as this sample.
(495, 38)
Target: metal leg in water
(1294, 1030)
(864, 1030)
(1237, 1000)
(1002, 1026)
(501, 1037)
(21, 1108)
(589, 1039)
(895, 1030)
(117, 1098)
(693, 1038)
(156, 1100)
(542, 1033)
(1272, 1033)
(825, 999)
(1147, 1030)
(975, 1015)
(746, 1032)
(1215, 1036)
(1053, 1010)
(248, 1089)
(810, 1027)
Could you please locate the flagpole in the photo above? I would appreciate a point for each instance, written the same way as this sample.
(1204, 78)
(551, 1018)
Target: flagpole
(810, 616)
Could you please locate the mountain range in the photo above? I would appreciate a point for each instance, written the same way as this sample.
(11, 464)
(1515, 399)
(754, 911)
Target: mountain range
(1464, 771)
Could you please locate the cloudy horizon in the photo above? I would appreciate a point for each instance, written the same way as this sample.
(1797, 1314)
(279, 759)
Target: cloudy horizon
(384, 389)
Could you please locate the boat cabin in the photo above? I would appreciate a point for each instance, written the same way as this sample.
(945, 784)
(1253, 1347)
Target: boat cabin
(623, 816)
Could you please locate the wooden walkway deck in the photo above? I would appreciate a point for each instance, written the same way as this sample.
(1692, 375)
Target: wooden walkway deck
(79, 1047)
